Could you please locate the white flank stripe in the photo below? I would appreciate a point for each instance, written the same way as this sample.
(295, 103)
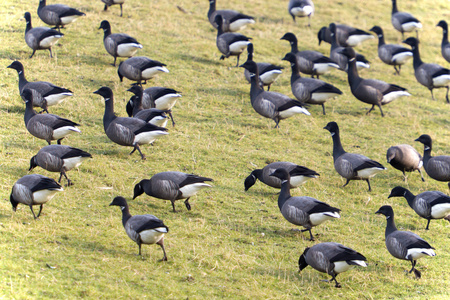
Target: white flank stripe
(393, 95)
(73, 162)
(402, 58)
(238, 47)
(44, 196)
(127, 50)
(299, 180)
(341, 266)
(354, 40)
(302, 11)
(323, 68)
(63, 131)
(150, 72)
(417, 253)
(151, 236)
(148, 137)
(322, 97)
(367, 173)
(293, 111)
(408, 27)
(56, 98)
(167, 101)
(319, 218)
(361, 65)
(240, 24)
(440, 211)
(269, 77)
(192, 189)
(442, 80)
(69, 19)
(159, 121)
(49, 41)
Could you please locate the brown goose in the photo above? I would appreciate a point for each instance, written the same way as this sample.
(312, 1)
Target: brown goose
(405, 158)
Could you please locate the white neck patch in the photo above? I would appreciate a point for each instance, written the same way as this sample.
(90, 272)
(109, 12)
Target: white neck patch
(283, 181)
(427, 148)
(332, 133)
(352, 59)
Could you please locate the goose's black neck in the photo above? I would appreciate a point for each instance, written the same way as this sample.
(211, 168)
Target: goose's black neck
(394, 6)
(409, 197)
(295, 72)
(109, 115)
(444, 36)
(285, 192)
(417, 61)
(107, 32)
(338, 150)
(390, 225)
(29, 111)
(42, 4)
(125, 214)
(29, 26)
(294, 46)
(212, 8)
(255, 87)
(22, 79)
(137, 103)
(426, 154)
(352, 73)
(381, 41)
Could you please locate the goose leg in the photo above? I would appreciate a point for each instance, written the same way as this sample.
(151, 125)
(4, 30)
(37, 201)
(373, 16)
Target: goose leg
(268, 87)
(348, 180)
(114, 63)
(432, 96)
(323, 109)
(139, 244)
(397, 72)
(338, 285)
(171, 117)
(105, 8)
(420, 172)
(50, 50)
(121, 11)
(237, 64)
(136, 147)
(69, 182)
(373, 106)
(39, 213)
(59, 141)
(446, 95)
(173, 206)
(310, 234)
(379, 106)
(368, 183)
(428, 224)
(413, 264)
(277, 121)
(34, 51)
(31, 207)
(161, 243)
(186, 202)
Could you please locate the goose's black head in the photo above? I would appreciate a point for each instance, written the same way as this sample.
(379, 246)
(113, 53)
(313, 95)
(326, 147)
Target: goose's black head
(302, 260)
(105, 92)
(425, 139)
(398, 191)
(386, 210)
(412, 41)
(27, 95)
(349, 52)
(250, 66)
(119, 201)
(443, 24)
(32, 163)
(138, 190)
(130, 106)
(27, 17)
(13, 201)
(136, 89)
(322, 34)
(332, 28)
(105, 25)
(289, 37)
(332, 127)
(16, 65)
(377, 29)
(281, 174)
(290, 57)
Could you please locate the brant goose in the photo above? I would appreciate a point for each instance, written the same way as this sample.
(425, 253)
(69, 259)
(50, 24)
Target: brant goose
(109, 3)
(301, 8)
(140, 68)
(40, 38)
(405, 158)
(403, 21)
(232, 20)
(346, 36)
(445, 45)
(57, 15)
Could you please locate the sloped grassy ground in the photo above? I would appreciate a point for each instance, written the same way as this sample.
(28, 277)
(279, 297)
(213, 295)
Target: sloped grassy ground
(232, 244)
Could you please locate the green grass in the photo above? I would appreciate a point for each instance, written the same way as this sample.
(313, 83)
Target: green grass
(79, 249)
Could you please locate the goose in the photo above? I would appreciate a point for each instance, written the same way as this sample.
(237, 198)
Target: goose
(339, 58)
(40, 38)
(140, 68)
(232, 20)
(299, 175)
(118, 44)
(351, 166)
(172, 185)
(429, 75)
(142, 229)
(157, 97)
(331, 258)
(445, 45)
(428, 205)
(271, 105)
(32, 190)
(309, 62)
(127, 131)
(230, 43)
(45, 94)
(268, 73)
(109, 3)
(403, 21)
(310, 90)
(47, 127)
(405, 158)
(437, 167)
(404, 244)
(59, 158)
(303, 211)
(391, 54)
(371, 91)
(57, 15)
(346, 36)
(150, 115)
(301, 8)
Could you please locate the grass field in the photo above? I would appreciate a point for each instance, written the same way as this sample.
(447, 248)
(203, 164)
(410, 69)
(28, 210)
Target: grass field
(232, 244)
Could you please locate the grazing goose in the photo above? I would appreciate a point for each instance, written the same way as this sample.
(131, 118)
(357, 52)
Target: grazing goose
(45, 94)
(429, 75)
(346, 36)
(230, 43)
(59, 158)
(271, 105)
(351, 166)
(40, 38)
(301, 8)
(140, 68)
(33, 190)
(303, 211)
(57, 15)
(339, 58)
(143, 229)
(391, 54)
(150, 115)
(47, 127)
(428, 205)
(127, 131)
(109, 3)
(310, 62)
(310, 90)
(371, 91)
(437, 167)
(172, 186)
(157, 97)
(268, 73)
(118, 44)
(405, 158)
(331, 258)
(404, 244)
(403, 21)
(232, 20)
(299, 175)
(445, 45)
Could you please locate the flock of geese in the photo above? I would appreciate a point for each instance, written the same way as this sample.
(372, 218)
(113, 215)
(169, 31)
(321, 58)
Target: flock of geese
(149, 109)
